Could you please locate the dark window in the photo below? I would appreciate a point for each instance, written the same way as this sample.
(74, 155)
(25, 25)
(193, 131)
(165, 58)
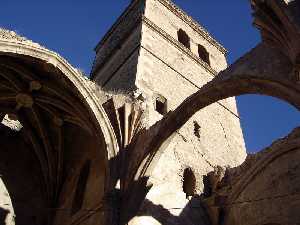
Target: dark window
(203, 54)
(197, 130)
(189, 183)
(161, 105)
(183, 38)
(81, 186)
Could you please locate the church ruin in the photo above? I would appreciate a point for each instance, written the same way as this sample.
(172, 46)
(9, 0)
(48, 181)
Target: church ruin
(153, 136)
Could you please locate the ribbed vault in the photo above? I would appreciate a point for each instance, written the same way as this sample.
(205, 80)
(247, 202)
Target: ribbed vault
(62, 121)
(31, 94)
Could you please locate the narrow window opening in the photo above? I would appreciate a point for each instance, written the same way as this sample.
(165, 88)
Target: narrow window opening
(203, 54)
(183, 38)
(161, 105)
(189, 183)
(81, 187)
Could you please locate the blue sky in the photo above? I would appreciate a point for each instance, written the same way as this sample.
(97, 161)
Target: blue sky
(73, 28)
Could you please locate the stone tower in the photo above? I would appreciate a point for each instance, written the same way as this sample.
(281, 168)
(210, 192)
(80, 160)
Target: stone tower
(72, 153)
(158, 53)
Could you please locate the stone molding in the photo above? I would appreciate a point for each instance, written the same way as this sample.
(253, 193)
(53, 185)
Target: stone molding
(192, 23)
(173, 8)
(135, 21)
(11, 35)
(144, 20)
(178, 45)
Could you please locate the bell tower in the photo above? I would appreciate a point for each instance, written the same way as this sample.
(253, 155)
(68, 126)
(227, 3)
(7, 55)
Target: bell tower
(157, 51)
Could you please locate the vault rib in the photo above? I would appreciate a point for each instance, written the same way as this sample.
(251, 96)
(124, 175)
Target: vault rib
(38, 151)
(11, 78)
(42, 131)
(57, 103)
(21, 70)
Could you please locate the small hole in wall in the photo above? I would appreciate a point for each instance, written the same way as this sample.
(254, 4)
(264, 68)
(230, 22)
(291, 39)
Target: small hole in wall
(197, 130)
(161, 105)
(189, 183)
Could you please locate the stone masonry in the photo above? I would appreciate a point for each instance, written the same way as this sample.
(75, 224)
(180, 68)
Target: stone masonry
(154, 136)
(149, 61)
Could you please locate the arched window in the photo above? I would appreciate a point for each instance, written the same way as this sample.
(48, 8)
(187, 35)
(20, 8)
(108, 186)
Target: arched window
(183, 38)
(189, 183)
(203, 54)
(81, 186)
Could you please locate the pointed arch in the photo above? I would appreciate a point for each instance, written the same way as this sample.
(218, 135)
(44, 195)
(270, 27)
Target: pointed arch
(52, 99)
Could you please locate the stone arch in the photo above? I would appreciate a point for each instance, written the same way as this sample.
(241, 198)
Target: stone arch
(264, 70)
(49, 97)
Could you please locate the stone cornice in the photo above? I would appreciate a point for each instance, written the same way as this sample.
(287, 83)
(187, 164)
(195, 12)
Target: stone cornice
(192, 23)
(178, 45)
(167, 37)
(177, 11)
(122, 17)
(13, 36)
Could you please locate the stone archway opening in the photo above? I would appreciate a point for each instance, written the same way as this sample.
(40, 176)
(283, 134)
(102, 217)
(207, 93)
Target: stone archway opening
(47, 134)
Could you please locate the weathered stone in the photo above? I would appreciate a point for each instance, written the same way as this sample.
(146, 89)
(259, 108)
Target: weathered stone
(153, 138)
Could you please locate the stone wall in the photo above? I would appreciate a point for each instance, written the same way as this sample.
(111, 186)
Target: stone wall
(263, 190)
(117, 38)
(170, 19)
(151, 63)
(121, 65)
(212, 137)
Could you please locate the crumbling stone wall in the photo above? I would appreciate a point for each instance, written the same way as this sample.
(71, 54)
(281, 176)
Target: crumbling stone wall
(263, 190)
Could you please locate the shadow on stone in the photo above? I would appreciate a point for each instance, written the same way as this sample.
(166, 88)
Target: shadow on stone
(3, 215)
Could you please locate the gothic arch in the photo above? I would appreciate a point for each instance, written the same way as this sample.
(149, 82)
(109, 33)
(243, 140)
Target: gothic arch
(264, 70)
(48, 96)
